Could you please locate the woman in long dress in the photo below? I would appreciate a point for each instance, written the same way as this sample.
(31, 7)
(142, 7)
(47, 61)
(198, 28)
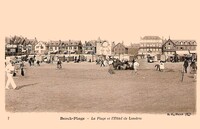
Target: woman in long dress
(136, 65)
(111, 68)
(162, 66)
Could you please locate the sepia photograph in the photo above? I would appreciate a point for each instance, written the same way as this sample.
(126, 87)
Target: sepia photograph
(131, 62)
(155, 75)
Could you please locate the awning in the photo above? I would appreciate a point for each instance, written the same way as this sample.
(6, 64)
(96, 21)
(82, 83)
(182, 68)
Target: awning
(182, 53)
(193, 51)
(170, 55)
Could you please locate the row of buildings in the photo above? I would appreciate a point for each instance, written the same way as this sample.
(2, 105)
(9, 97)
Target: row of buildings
(155, 46)
(148, 45)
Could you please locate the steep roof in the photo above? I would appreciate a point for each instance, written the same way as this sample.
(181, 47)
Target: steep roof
(40, 43)
(180, 42)
(184, 42)
(167, 41)
(67, 42)
(118, 45)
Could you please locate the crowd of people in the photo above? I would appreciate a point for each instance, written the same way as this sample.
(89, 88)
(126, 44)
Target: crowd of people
(117, 64)
(187, 64)
(14, 68)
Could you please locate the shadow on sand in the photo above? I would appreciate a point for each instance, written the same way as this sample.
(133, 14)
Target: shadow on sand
(22, 86)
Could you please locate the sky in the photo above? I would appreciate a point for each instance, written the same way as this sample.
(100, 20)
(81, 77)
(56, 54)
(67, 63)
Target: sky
(113, 20)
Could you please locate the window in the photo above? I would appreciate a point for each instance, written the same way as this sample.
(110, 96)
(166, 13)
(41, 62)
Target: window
(186, 48)
(169, 43)
(181, 48)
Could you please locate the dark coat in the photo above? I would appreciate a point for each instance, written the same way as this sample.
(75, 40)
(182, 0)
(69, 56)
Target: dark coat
(185, 63)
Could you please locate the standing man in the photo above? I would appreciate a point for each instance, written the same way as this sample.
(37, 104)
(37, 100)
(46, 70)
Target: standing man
(133, 63)
(59, 64)
(22, 68)
(30, 62)
(9, 70)
(75, 59)
(185, 65)
(102, 63)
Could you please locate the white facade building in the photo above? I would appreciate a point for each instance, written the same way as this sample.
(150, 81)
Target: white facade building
(40, 48)
(104, 48)
(150, 45)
